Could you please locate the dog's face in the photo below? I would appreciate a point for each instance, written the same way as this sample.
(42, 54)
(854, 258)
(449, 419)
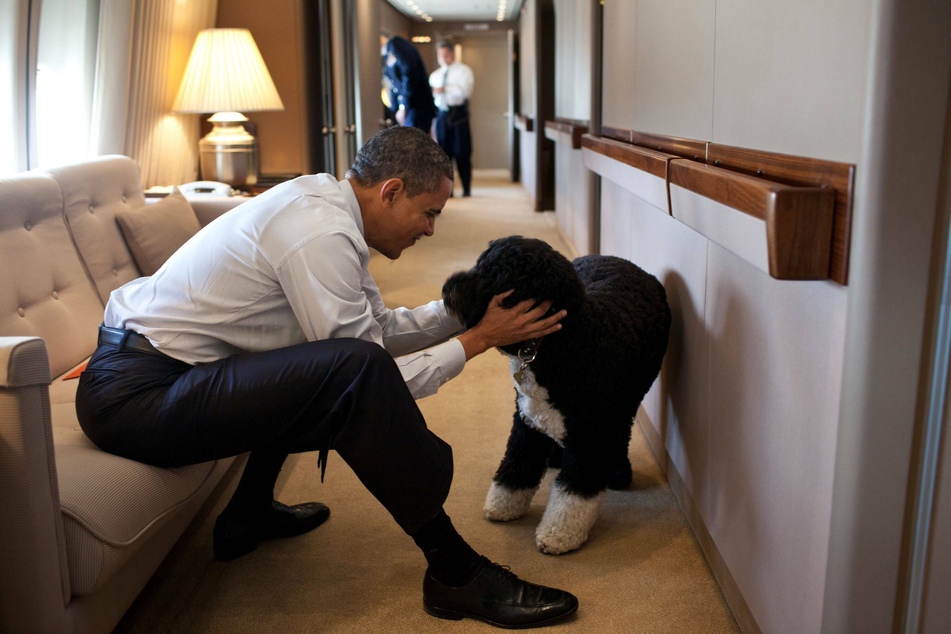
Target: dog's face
(528, 267)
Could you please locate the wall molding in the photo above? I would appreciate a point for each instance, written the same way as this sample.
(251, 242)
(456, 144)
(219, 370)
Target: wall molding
(804, 205)
(566, 131)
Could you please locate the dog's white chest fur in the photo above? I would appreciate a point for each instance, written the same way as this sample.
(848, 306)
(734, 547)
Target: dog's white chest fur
(534, 405)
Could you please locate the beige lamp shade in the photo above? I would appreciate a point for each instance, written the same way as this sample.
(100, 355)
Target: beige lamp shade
(226, 75)
(226, 72)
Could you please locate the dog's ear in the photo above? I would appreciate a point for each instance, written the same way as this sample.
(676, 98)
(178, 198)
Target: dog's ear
(463, 297)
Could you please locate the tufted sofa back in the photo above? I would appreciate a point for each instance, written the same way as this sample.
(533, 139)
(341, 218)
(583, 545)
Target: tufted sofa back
(62, 253)
(93, 192)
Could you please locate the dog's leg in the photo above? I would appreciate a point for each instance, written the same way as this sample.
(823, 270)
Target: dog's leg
(575, 502)
(622, 474)
(567, 521)
(519, 474)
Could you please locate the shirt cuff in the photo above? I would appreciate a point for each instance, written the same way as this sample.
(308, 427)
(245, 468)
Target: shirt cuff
(428, 370)
(452, 358)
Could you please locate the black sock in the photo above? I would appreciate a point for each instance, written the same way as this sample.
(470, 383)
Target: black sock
(255, 490)
(451, 560)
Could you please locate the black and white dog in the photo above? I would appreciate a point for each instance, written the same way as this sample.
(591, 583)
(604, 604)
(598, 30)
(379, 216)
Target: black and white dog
(577, 390)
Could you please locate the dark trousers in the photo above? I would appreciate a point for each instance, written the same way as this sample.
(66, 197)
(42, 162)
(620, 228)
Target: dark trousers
(455, 138)
(342, 394)
(419, 118)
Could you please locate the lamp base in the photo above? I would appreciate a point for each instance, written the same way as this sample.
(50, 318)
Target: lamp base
(229, 154)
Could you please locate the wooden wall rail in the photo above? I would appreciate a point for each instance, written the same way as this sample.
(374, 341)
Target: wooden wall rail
(644, 159)
(684, 148)
(524, 123)
(796, 170)
(566, 131)
(804, 203)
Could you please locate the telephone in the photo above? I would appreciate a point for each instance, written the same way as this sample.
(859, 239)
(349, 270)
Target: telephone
(207, 188)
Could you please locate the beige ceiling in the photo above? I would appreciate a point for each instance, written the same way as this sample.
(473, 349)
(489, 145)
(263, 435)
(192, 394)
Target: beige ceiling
(459, 10)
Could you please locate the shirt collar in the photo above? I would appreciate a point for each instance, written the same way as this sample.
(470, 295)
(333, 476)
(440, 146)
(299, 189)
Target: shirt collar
(354, 206)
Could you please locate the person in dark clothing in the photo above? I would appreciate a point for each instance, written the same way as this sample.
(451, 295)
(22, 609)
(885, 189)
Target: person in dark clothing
(411, 98)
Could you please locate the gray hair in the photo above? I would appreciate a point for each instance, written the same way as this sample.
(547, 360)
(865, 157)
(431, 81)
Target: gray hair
(402, 152)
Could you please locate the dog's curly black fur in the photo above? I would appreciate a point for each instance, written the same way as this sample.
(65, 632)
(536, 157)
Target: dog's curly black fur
(582, 389)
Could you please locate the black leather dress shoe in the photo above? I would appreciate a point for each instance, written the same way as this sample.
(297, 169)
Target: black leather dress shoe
(498, 597)
(233, 539)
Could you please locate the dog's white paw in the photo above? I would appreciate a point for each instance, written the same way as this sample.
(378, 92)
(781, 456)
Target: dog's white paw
(567, 521)
(503, 504)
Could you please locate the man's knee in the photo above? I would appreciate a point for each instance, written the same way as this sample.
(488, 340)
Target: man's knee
(360, 348)
(360, 356)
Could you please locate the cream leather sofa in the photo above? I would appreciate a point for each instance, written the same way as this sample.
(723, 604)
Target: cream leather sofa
(81, 531)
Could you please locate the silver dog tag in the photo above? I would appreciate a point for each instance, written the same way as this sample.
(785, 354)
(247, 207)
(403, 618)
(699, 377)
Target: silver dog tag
(518, 373)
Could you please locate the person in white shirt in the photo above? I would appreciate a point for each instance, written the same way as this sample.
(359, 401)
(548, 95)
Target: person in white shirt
(265, 333)
(452, 85)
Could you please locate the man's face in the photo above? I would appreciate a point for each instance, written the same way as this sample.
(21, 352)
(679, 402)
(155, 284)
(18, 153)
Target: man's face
(445, 55)
(410, 218)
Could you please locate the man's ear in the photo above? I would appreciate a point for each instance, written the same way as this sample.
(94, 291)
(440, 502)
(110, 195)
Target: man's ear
(390, 190)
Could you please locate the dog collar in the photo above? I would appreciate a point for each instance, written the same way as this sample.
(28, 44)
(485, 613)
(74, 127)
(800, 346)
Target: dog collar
(526, 355)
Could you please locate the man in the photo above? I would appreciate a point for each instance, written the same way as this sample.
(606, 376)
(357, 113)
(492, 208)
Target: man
(266, 334)
(452, 87)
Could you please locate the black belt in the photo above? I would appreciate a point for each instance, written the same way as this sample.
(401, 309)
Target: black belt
(126, 340)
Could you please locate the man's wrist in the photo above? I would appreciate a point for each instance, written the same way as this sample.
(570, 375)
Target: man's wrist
(472, 343)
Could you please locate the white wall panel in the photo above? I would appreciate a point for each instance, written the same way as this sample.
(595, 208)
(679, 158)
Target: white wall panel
(748, 404)
(572, 101)
(528, 104)
(672, 68)
(619, 40)
(572, 59)
(616, 218)
(529, 168)
(790, 76)
(740, 233)
(677, 402)
(776, 355)
(652, 189)
(579, 201)
(571, 197)
(562, 204)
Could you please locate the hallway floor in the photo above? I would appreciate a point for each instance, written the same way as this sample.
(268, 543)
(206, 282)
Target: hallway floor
(640, 572)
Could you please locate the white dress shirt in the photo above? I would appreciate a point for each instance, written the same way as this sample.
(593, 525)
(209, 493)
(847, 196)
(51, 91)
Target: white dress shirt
(283, 268)
(458, 81)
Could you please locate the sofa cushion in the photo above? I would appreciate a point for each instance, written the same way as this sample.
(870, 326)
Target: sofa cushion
(44, 289)
(93, 192)
(111, 506)
(154, 232)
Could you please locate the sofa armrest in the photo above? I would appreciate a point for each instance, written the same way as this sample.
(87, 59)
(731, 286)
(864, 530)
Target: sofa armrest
(207, 208)
(34, 586)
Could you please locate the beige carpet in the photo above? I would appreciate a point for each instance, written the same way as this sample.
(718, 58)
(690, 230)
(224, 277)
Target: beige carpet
(641, 570)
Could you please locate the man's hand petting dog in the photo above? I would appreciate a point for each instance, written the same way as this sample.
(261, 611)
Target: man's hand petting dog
(504, 326)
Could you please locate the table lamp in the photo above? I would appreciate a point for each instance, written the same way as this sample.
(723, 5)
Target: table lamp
(226, 76)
